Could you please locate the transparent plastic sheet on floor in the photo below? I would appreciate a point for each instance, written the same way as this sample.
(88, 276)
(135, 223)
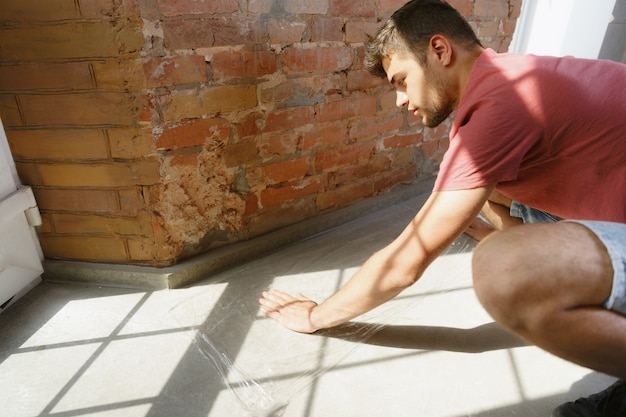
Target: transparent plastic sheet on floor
(265, 365)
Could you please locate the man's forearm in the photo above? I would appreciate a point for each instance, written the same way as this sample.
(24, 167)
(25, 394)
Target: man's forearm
(386, 274)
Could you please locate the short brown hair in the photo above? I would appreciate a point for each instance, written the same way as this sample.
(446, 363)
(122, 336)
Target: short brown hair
(410, 29)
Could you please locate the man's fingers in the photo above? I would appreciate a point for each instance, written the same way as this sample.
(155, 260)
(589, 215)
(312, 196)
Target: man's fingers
(278, 297)
(274, 300)
(268, 303)
(281, 297)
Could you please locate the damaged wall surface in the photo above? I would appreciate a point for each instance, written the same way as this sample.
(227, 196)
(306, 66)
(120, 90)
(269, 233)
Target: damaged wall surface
(154, 130)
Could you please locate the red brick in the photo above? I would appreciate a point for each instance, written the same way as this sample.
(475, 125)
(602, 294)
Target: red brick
(242, 153)
(132, 200)
(101, 108)
(184, 160)
(260, 6)
(307, 6)
(62, 144)
(367, 169)
(119, 74)
(129, 143)
(363, 80)
(491, 8)
(247, 64)
(250, 124)
(293, 170)
(400, 141)
(515, 9)
(369, 127)
(331, 58)
(46, 224)
(403, 157)
(85, 224)
(84, 248)
(282, 31)
(228, 98)
(9, 111)
(278, 144)
(151, 194)
(360, 51)
(317, 137)
(429, 149)
(392, 178)
(344, 196)
(327, 29)
(388, 101)
(100, 175)
(328, 159)
(196, 33)
(180, 69)
(147, 250)
(353, 8)
(273, 196)
(286, 90)
(35, 10)
(252, 204)
(304, 91)
(192, 133)
(28, 76)
(361, 32)
(93, 9)
(508, 26)
(186, 7)
(70, 40)
(488, 29)
(346, 108)
(285, 119)
(77, 200)
(274, 217)
(224, 98)
(28, 173)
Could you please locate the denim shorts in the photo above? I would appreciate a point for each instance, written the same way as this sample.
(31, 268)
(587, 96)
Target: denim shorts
(612, 235)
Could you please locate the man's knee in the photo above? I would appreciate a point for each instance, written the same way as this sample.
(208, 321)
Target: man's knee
(496, 265)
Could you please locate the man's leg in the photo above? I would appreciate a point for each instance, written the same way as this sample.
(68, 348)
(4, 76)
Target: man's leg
(548, 283)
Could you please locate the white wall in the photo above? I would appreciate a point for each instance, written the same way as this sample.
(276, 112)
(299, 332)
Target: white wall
(562, 27)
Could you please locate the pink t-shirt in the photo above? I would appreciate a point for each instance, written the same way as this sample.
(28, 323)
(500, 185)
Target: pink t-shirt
(551, 132)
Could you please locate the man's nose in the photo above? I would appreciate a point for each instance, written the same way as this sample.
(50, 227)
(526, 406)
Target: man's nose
(401, 99)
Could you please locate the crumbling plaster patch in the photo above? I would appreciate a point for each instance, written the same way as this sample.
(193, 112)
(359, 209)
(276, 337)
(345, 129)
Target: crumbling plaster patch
(197, 199)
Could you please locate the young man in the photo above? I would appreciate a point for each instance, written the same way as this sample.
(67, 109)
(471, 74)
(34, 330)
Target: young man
(534, 140)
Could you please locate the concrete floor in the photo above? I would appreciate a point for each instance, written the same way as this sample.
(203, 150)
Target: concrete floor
(78, 350)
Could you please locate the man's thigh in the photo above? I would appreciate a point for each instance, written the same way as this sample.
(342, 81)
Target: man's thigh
(555, 265)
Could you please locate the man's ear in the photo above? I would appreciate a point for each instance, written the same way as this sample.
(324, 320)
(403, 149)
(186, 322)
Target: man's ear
(441, 49)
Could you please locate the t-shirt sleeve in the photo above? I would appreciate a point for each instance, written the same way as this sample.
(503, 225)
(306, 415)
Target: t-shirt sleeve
(490, 143)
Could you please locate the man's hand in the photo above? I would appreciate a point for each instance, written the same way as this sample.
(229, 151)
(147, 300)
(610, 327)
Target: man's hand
(293, 313)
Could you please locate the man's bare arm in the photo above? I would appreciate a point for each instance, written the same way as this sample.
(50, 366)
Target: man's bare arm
(444, 216)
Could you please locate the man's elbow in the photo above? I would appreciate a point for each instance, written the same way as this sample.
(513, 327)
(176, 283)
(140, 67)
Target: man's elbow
(400, 271)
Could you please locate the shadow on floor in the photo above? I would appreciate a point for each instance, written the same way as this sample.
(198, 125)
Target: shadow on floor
(475, 340)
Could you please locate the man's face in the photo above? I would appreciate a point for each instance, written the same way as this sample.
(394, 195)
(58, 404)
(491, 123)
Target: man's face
(423, 90)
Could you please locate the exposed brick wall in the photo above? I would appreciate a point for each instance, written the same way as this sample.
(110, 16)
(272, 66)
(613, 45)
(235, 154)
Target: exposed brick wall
(152, 130)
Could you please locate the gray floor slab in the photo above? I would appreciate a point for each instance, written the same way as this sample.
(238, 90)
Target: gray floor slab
(205, 350)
